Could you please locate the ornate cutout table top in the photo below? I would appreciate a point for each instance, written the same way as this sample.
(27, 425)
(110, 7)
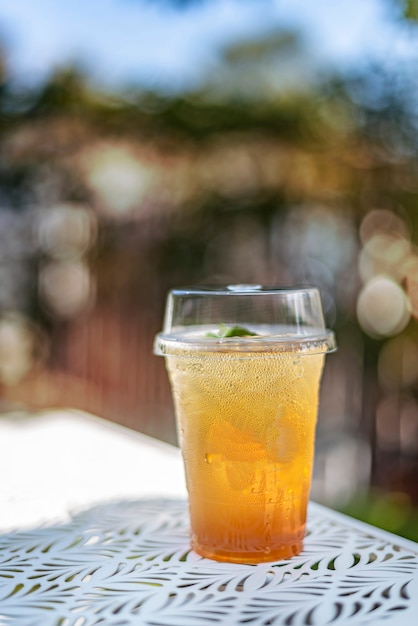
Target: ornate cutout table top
(126, 562)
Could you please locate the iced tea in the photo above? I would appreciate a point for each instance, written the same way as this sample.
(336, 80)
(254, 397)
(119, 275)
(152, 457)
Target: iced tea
(246, 423)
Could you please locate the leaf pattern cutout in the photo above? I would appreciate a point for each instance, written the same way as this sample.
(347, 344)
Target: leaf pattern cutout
(128, 563)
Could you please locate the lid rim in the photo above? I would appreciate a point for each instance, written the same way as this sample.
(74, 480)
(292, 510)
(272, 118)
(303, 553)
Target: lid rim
(248, 346)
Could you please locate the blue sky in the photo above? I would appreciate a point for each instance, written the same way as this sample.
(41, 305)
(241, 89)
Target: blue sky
(127, 41)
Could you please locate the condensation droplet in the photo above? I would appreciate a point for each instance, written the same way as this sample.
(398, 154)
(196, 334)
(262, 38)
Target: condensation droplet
(299, 372)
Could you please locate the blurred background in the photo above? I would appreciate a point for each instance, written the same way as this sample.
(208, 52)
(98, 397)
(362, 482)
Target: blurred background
(146, 144)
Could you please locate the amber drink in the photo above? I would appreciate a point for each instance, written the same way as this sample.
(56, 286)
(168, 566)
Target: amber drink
(246, 401)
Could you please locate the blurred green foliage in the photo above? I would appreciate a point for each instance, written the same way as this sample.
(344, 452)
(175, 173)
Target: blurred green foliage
(411, 9)
(391, 511)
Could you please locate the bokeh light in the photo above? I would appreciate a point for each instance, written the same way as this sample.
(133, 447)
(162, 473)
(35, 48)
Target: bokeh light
(66, 288)
(67, 231)
(388, 268)
(411, 281)
(382, 307)
(119, 178)
(22, 347)
(341, 468)
(383, 221)
(384, 253)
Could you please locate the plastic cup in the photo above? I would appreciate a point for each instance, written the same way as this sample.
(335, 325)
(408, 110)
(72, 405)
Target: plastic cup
(245, 364)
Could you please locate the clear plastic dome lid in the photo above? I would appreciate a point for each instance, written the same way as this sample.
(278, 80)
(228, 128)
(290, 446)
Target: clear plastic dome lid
(244, 318)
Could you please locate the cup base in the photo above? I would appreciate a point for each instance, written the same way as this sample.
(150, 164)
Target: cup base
(280, 553)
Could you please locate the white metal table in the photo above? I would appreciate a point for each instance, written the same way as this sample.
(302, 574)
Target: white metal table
(94, 530)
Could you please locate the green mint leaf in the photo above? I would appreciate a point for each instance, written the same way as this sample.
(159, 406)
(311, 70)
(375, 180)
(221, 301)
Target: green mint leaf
(230, 331)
